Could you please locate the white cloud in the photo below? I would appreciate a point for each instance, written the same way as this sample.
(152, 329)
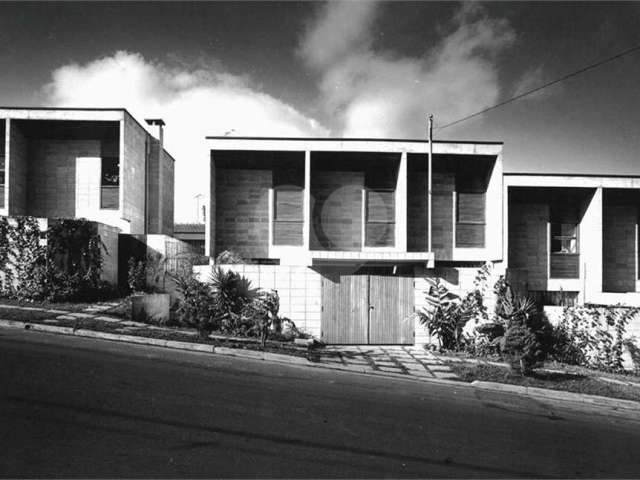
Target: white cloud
(194, 102)
(382, 94)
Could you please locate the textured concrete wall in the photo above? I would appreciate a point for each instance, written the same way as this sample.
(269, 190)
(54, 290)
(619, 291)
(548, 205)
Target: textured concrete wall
(528, 242)
(109, 236)
(336, 210)
(299, 289)
(242, 211)
(51, 190)
(443, 186)
(17, 156)
(619, 250)
(417, 211)
(167, 193)
(154, 188)
(132, 181)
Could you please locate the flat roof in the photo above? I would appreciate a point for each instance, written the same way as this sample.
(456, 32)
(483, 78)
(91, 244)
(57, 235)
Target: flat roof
(568, 174)
(85, 109)
(354, 139)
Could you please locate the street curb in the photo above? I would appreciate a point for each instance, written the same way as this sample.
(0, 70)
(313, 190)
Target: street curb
(300, 361)
(559, 395)
(223, 351)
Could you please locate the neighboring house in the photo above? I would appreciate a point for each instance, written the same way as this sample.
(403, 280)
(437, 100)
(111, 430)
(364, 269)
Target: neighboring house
(573, 238)
(192, 234)
(341, 227)
(99, 164)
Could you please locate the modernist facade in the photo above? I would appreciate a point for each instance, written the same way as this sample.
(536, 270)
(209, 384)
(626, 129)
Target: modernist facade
(346, 230)
(98, 164)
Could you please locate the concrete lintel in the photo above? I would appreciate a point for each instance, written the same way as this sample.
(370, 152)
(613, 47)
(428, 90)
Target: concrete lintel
(114, 115)
(347, 145)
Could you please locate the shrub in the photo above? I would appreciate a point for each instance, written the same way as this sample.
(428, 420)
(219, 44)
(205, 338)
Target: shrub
(518, 331)
(196, 308)
(261, 313)
(65, 267)
(447, 313)
(592, 336)
(136, 275)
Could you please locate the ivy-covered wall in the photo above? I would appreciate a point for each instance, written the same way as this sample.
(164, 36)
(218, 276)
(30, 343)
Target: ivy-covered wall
(59, 259)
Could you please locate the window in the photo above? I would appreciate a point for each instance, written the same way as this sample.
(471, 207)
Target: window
(564, 238)
(287, 216)
(380, 218)
(110, 184)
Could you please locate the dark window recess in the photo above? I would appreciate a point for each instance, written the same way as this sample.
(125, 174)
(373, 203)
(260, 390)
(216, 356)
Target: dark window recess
(380, 218)
(110, 184)
(287, 216)
(558, 298)
(564, 238)
(470, 219)
(2, 182)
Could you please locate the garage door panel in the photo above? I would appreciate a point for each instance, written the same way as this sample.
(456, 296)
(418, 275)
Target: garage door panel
(392, 312)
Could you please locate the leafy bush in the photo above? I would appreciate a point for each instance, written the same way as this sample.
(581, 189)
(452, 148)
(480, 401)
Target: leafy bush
(261, 313)
(196, 308)
(228, 257)
(593, 336)
(136, 275)
(63, 263)
(526, 334)
(447, 313)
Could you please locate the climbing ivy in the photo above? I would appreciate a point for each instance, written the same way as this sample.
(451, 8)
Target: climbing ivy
(61, 263)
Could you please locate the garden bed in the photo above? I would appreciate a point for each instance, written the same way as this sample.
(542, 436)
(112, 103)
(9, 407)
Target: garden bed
(575, 380)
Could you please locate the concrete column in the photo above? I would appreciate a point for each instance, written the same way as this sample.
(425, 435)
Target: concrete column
(401, 206)
(306, 201)
(590, 244)
(7, 156)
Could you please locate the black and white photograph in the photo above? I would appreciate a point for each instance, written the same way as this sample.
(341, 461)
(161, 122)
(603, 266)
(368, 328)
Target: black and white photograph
(319, 239)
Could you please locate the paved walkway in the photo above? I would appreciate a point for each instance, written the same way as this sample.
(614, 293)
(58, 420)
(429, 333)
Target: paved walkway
(412, 361)
(408, 360)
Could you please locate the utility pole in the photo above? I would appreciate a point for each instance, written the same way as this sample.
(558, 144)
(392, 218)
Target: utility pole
(429, 174)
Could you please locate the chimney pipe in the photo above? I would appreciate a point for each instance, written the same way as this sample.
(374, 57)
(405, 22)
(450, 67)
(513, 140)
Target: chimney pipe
(157, 122)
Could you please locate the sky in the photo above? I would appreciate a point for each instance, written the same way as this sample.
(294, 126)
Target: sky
(340, 69)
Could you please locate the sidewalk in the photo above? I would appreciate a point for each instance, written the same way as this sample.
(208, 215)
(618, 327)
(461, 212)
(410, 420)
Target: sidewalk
(408, 361)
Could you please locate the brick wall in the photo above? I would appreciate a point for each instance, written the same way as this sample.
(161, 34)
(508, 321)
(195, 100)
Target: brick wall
(17, 154)
(133, 174)
(619, 248)
(51, 190)
(528, 242)
(242, 211)
(336, 210)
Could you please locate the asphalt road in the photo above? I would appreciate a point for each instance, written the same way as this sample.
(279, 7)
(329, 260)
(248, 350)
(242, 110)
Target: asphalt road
(74, 407)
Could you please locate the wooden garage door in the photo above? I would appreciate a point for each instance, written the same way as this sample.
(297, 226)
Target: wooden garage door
(370, 306)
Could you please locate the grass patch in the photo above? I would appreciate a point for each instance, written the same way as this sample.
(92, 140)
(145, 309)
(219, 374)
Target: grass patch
(566, 381)
(24, 315)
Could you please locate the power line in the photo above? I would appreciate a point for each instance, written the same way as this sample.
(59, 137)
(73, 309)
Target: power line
(537, 89)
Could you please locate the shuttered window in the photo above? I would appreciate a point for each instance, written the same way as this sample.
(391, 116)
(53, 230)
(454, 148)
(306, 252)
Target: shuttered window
(287, 216)
(380, 218)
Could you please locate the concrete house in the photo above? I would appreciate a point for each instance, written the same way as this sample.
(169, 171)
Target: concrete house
(573, 239)
(98, 164)
(347, 229)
